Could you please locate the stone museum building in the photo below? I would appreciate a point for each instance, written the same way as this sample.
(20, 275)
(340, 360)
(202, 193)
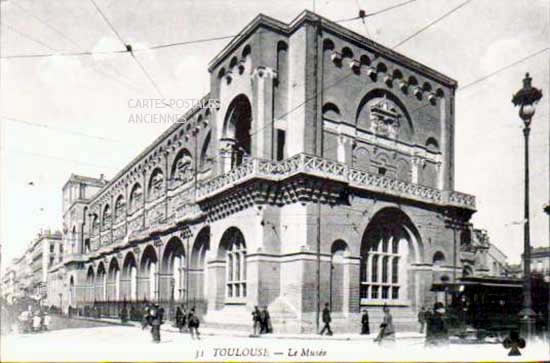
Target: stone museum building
(319, 168)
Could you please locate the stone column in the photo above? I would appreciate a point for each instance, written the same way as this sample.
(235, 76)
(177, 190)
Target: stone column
(226, 153)
(216, 285)
(351, 297)
(262, 128)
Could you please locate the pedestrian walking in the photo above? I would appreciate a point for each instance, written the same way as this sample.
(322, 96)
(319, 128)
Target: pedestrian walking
(326, 320)
(156, 313)
(146, 321)
(179, 319)
(193, 324)
(387, 331)
(422, 318)
(256, 323)
(436, 332)
(365, 329)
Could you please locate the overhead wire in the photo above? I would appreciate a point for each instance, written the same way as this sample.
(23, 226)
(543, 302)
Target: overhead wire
(169, 45)
(427, 26)
(329, 86)
(129, 50)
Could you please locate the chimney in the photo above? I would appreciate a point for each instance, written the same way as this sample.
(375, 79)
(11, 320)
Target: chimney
(102, 177)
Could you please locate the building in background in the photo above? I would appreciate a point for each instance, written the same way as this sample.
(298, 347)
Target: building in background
(9, 282)
(496, 261)
(320, 164)
(27, 276)
(43, 252)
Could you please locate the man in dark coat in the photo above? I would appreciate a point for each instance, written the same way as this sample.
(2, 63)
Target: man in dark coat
(365, 329)
(193, 324)
(156, 313)
(179, 319)
(256, 321)
(326, 320)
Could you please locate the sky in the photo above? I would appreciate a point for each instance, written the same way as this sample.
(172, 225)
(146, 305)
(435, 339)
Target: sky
(70, 114)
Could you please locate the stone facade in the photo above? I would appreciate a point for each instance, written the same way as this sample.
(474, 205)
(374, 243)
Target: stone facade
(326, 167)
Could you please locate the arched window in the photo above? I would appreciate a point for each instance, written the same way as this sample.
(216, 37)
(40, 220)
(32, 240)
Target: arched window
(136, 197)
(438, 259)
(95, 224)
(107, 216)
(120, 209)
(156, 184)
(235, 263)
(237, 126)
(384, 257)
(182, 168)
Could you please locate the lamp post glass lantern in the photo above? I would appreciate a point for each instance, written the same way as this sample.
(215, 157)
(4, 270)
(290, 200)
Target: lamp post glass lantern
(526, 98)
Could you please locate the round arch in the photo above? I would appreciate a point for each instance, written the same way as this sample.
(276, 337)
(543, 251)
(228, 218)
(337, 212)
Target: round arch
(101, 282)
(156, 182)
(394, 110)
(390, 244)
(136, 196)
(148, 271)
(114, 279)
(232, 249)
(130, 274)
(199, 261)
(90, 281)
(438, 259)
(182, 167)
(237, 126)
(173, 265)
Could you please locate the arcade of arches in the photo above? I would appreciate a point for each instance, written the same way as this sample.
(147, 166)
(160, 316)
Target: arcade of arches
(378, 268)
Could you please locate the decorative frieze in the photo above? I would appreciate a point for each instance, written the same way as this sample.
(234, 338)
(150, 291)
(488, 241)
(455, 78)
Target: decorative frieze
(333, 170)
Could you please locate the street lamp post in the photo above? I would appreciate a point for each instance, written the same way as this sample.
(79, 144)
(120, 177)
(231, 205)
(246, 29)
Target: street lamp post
(526, 98)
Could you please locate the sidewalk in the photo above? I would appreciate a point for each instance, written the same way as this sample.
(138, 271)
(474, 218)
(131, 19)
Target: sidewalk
(206, 331)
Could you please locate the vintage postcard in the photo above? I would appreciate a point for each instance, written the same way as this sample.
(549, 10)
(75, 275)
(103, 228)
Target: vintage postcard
(246, 180)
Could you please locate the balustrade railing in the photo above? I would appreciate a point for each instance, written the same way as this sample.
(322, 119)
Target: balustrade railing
(325, 168)
(183, 204)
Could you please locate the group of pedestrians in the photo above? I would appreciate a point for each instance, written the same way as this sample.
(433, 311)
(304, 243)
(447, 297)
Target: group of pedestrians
(261, 321)
(154, 317)
(30, 322)
(387, 331)
(188, 320)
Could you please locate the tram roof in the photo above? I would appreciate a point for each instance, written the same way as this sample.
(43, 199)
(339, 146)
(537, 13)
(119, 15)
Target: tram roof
(477, 282)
